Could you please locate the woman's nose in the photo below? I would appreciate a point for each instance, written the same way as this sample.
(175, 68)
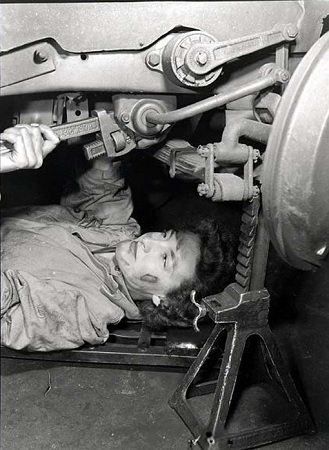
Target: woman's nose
(145, 244)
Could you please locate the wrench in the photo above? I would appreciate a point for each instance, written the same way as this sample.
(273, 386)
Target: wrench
(89, 126)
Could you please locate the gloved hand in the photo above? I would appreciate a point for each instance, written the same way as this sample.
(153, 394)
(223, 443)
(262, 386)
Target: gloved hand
(30, 144)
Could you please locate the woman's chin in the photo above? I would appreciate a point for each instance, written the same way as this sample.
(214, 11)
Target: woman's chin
(122, 254)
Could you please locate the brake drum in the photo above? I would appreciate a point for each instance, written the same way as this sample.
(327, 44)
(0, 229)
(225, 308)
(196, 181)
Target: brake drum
(295, 179)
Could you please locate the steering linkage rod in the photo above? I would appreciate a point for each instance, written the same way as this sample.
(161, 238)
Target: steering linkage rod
(270, 74)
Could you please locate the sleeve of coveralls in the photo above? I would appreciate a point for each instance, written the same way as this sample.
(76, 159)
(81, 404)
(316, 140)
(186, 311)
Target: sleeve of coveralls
(103, 194)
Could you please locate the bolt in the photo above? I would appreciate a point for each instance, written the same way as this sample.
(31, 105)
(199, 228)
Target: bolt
(153, 59)
(125, 118)
(203, 151)
(203, 189)
(201, 58)
(40, 56)
(128, 139)
(283, 75)
(256, 155)
(292, 30)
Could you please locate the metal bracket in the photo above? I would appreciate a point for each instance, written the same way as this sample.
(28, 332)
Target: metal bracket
(227, 186)
(195, 58)
(35, 59)
(207, 188)
(174, 152)
(216, 54)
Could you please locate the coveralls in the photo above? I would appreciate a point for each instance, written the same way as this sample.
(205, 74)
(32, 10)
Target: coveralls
(55, 292)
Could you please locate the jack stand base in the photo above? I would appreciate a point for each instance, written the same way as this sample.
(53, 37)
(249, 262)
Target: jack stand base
(242, 316)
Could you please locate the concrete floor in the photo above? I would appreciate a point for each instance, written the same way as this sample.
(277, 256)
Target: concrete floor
(97, 408)
(100, 407)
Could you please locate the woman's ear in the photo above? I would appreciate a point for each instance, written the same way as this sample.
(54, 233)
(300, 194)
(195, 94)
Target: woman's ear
(156, 299)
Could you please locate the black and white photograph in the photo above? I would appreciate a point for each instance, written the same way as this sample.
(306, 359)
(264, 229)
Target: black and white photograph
(164, 225)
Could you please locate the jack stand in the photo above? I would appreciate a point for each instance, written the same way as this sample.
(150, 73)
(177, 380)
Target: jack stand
(241, 315)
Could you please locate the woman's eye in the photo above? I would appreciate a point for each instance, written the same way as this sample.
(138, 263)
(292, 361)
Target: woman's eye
(164, 260)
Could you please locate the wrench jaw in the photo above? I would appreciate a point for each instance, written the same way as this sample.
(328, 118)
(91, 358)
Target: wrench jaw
(96, 148)
(114, 141)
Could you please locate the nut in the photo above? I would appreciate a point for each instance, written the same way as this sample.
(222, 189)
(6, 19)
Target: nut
(283, 75)
(203, 151)
(256, 154)
(201, 58)
(125, 118)
(203, 189)
(153, 59)
(292, 30)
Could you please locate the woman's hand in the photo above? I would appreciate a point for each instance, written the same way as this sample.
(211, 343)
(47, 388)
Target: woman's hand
(30, 144)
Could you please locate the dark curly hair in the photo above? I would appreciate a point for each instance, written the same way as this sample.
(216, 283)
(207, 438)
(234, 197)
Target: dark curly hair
(214, 270)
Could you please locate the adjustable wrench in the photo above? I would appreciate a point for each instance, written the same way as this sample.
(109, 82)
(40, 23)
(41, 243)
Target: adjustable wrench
(114, 141)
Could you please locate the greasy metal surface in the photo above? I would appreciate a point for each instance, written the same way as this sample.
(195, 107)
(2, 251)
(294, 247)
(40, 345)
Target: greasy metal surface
(85, 27)
(241, 315)
(295, 178)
